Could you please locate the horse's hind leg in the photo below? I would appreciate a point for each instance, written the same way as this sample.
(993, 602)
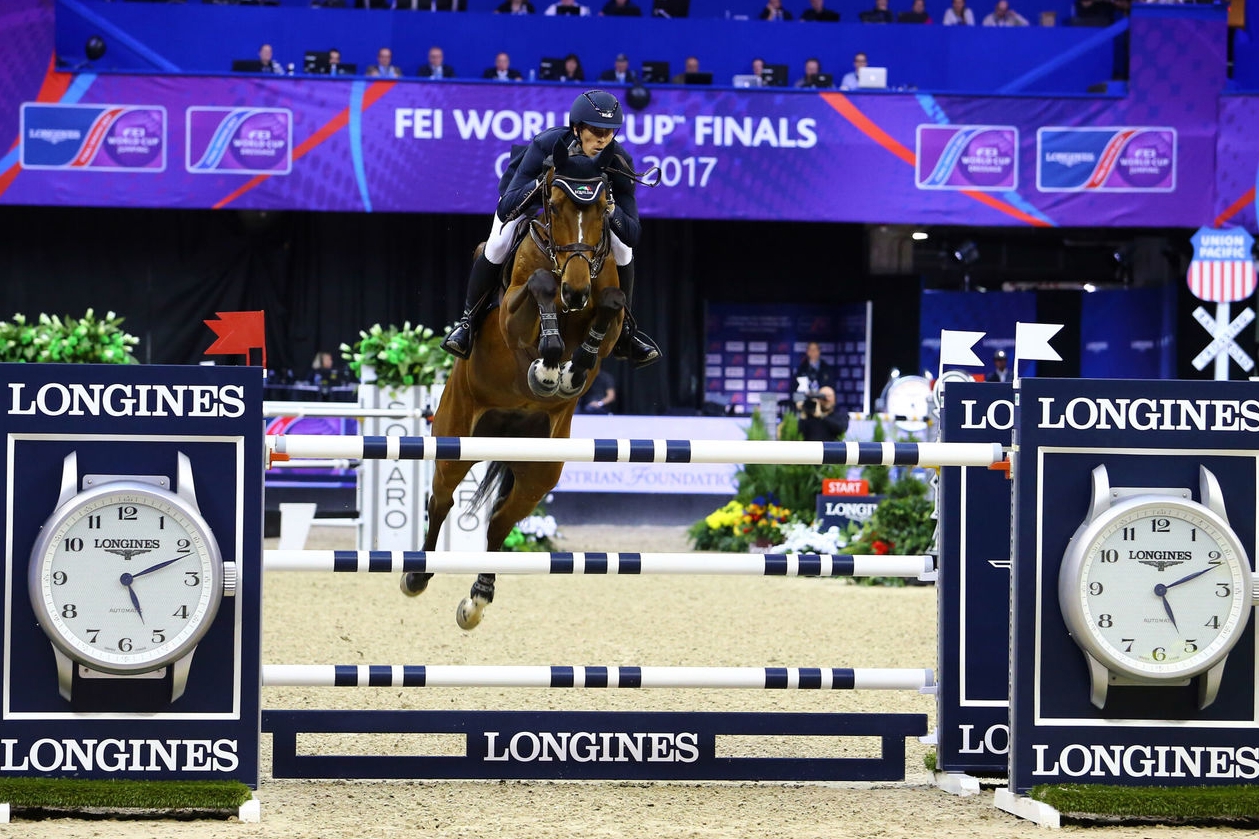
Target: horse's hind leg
(573, 373)
(446, 477)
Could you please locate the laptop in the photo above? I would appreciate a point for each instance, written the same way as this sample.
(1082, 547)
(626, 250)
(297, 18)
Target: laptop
(747, 80)
(774, 75)
(315, 62)
(656, 72)
(823, 80)
(550, 69)
(247, 65)
(697, 78)
(671, 8)
(571, 11)
(872, 78)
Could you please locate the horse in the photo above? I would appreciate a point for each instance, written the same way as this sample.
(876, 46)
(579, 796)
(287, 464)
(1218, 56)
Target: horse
(536, 354)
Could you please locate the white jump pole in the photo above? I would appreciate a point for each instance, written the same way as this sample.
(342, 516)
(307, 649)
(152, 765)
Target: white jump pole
(335, 409)
(550, 676)
(634, 451)
(507, 562)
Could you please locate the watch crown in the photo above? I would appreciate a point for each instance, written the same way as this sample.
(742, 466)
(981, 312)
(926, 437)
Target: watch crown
(1254, 592)
(229, 579)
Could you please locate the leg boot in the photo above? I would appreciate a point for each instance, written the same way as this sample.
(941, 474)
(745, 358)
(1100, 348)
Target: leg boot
(481, 284)
(633, 346)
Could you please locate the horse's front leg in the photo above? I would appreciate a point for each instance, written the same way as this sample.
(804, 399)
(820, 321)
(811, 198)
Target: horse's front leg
(573, 374)
(544, 372)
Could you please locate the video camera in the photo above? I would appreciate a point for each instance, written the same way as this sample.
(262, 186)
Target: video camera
(811, 406)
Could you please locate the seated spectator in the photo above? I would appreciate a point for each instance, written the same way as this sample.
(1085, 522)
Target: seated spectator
(917, 14)
(572, 69)
(817, 11)
(384, 66)
(334, 66)
(774, 11)
(436, 68)
(758, 67)
(812, 68)
(599, 398)
(514, 7)
(1003, 15)
(879, 14)
(620, 72)
(959, 14)
(620, 8)
(567, 7)
(267, 62)
(502, 70)
(1093, 12)
(691, 66)
(850, 80)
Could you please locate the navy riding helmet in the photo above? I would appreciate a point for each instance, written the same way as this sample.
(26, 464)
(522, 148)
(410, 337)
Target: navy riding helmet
(596, 108)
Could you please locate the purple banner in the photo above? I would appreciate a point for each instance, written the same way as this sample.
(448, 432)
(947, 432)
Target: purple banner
(1237, 162)
(337, 145)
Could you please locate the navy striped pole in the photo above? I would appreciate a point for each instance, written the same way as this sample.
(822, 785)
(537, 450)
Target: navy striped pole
(553, 676)
(507, 562)
(635, 451)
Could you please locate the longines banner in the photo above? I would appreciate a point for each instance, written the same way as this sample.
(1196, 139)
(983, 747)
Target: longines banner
(406, 146)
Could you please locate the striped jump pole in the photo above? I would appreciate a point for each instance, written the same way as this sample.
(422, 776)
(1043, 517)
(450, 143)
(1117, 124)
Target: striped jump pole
(534, 449)
(555, 676)
(507, 562)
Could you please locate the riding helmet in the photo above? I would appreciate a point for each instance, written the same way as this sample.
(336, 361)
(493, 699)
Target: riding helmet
(596, 108)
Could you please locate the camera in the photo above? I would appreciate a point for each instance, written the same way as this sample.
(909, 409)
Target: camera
(810, 407)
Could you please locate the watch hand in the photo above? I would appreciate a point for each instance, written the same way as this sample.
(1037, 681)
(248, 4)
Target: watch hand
(1189, 577)
(1167, 607)
(126, 579)
(157, 567)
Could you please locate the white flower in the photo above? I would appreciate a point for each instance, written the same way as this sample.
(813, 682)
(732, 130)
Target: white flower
(539, 527)
(806, 538)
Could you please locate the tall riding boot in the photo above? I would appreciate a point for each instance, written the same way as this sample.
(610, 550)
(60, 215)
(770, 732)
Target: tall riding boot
(481, 284)
(633, 346)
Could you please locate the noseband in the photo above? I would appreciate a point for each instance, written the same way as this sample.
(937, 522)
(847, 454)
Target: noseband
(582, 192)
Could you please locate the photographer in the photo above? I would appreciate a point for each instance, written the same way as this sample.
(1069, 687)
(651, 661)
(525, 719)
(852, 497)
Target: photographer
(818, 418)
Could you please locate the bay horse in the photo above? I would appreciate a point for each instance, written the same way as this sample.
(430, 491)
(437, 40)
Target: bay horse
(536, 353)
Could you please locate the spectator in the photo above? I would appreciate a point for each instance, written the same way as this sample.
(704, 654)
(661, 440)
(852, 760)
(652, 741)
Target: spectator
(620, 8)
(758, 67)
(816, 371)
(334, 67)
(1003, 15)
(267, 62)
(851, 81)
(572, 69)
(620, 72)
(436, 68)
(812, 68)
(817, 11)
(774, 11)
(916, 14)
(433, 5)
(567, 7)
(818, 418)
(959, 14)
(691, 65)
(502, 70)
(600, 396)
(1000, 373)
(1093, 13)
(384, 66)
(515, 7)
(879, 14)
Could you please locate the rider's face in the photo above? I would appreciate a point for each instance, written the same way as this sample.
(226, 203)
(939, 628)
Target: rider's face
(594, 140)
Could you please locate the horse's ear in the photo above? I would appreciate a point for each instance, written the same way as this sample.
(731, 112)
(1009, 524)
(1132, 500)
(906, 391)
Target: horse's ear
(559, 155)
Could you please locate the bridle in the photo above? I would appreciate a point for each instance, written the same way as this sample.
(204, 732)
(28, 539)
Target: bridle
(582, 192)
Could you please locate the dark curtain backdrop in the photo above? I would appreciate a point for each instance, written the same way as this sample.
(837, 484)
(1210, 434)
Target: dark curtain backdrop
(322, 277)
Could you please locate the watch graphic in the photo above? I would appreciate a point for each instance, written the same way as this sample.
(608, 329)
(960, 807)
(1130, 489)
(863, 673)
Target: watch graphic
(908, 399)
(1155, 587)
(126, 577)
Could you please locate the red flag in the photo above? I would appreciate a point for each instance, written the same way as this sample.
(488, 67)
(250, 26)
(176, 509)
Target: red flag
(238, 333)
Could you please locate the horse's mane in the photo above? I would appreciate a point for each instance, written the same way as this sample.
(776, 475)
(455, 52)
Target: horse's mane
(578, 166)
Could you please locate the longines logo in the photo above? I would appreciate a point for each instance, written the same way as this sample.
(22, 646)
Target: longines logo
(115, 755)
(593, 746)
(1142, 414)
(1076, 760)
(55, 399)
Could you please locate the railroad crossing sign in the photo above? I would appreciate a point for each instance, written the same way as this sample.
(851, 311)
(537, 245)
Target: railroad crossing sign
(1222, 346)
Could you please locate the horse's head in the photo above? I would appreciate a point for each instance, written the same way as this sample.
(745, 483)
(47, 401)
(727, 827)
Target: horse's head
(575, 203)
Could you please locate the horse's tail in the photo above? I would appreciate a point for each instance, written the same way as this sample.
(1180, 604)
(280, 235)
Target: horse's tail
(497, 477)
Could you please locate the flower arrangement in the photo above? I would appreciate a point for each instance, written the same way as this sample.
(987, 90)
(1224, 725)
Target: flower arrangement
(533, 533)
(799, 537)
(85, 340)
(400, 356)
(737, 526)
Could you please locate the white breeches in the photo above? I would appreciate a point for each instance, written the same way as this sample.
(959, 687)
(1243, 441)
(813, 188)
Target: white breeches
(501, 235)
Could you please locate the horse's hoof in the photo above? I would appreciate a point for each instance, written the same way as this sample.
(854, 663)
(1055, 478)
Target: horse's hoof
(572, 379)
(414, 583)
(542, 381)
(469, 613)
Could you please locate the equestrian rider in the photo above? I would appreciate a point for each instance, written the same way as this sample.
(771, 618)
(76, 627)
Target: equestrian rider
(593, 121)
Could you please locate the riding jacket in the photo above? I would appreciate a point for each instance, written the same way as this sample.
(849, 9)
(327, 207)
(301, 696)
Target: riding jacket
(525, 169)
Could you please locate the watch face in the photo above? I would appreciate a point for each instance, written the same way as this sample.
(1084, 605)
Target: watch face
(909, 397)
(125, 578)
(1156, 588)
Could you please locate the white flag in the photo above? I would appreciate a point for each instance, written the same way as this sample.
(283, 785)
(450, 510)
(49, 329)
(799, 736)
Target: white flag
(956, 347)
(1031, 341)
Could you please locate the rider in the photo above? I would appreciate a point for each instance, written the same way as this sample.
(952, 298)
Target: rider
(592, 124)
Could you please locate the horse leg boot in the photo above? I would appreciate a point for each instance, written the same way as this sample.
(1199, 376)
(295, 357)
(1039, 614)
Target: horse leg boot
(481, 282)
(633, 346)
(471, 608)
